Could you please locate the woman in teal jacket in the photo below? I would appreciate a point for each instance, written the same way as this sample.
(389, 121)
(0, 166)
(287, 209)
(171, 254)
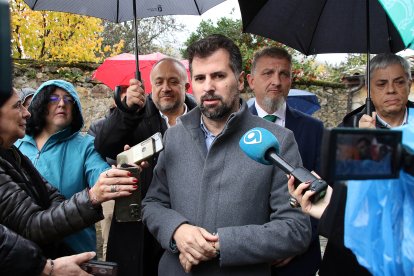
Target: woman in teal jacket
(65, 157)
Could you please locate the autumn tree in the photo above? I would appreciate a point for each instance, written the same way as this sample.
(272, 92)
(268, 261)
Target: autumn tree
(154, 34)
(303, 67)
(54, 35)
(354, 64)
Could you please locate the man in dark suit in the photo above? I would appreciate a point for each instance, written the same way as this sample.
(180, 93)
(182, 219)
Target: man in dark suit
(390, 79)
(270, 79)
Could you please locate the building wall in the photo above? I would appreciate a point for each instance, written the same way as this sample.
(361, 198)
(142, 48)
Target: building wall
(96, 97)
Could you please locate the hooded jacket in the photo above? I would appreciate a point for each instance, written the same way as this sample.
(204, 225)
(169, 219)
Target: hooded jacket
(68, 160)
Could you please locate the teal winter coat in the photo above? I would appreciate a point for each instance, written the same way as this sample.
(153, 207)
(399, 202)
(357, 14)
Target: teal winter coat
(68, 161)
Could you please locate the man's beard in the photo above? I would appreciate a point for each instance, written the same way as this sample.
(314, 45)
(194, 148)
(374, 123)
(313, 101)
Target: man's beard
(169, 106)
(221, 111)
(273, 104)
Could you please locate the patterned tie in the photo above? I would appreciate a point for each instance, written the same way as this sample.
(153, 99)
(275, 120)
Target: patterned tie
(271, 118)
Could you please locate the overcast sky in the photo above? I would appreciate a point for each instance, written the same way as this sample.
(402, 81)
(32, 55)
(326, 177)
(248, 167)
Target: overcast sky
(225, 10)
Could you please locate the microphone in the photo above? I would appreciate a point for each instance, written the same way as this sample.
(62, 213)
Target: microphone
(262, 146)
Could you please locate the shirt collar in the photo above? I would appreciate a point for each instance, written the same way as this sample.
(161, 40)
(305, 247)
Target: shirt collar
(385, 124)
(280, 113)
(166, 118)
(208, 135)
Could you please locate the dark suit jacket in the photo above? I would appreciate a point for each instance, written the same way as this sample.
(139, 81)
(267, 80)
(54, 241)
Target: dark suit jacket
(308, 133)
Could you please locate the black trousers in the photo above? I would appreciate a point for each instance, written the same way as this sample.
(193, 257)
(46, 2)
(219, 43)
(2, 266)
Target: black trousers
(133, 248)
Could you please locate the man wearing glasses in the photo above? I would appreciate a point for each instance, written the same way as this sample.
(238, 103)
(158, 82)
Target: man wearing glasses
(65, 157)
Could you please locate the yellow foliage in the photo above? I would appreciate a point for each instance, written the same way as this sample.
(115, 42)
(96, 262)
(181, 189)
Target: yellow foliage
(55, 35)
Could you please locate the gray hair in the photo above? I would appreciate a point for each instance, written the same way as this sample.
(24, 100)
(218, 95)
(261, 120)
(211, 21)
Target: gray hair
(382, 61)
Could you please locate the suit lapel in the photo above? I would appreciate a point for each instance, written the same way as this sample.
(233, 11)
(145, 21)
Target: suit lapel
(290, 119)
(253, 109)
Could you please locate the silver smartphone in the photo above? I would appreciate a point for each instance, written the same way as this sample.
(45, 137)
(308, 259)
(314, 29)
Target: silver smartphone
(128, 209)
(141, 151)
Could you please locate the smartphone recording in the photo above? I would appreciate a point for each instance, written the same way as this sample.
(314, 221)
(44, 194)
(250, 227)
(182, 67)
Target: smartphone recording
(358, 154)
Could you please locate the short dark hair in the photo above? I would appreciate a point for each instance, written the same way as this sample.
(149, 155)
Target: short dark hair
(39, 110)
(274, 52)
(207, 46)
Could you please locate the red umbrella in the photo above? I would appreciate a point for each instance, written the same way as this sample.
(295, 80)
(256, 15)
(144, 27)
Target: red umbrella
(118, 70)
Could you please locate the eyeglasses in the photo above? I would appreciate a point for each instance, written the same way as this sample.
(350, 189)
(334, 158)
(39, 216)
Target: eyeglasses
(55, 99)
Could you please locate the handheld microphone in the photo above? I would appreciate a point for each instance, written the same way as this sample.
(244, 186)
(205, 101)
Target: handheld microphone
(262, 146)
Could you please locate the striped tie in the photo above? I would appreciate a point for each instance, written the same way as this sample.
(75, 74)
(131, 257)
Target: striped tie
(271, 118)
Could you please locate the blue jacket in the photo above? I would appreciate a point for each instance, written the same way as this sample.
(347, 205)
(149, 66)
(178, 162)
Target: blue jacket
(68, 161)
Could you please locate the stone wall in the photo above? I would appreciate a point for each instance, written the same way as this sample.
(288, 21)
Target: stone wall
(96, 97)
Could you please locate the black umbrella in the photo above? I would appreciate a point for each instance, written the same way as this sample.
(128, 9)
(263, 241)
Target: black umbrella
(125, 10)
(324, 26)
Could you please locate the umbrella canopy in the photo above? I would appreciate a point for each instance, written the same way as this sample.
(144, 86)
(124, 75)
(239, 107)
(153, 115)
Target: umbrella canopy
(304, 101)
(122, 10)
(323, 26)
(125, 10)
(402, 15)
(118, 70)
(301, 100)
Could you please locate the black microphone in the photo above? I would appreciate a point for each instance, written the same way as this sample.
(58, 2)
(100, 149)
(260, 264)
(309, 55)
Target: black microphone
(262, 146)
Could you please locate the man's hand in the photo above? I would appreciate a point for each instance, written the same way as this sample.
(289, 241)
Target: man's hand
(367, 121)
(282, 262)
(135, 94)
(69, 265)
(195, 244)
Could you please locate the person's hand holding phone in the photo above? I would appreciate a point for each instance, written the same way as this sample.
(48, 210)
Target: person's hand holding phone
(111, 184)
(69, 265)
(304, 198)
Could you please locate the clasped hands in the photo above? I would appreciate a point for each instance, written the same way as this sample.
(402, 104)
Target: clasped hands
(195, 244)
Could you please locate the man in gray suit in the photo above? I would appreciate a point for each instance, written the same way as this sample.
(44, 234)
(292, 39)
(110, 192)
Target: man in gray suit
(214, 210)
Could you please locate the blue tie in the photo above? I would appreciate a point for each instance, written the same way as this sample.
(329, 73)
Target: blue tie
(271, 118)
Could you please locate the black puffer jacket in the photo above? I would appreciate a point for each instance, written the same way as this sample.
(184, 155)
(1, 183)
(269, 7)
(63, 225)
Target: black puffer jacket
(18, 256)
(34, 209)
